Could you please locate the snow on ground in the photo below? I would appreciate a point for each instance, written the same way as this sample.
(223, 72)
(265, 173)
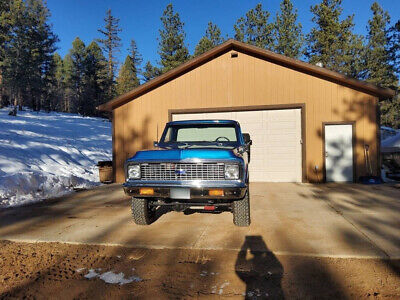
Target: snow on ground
(44, 155)
(113, 278)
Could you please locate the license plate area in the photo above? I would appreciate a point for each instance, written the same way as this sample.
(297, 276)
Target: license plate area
(180, 193)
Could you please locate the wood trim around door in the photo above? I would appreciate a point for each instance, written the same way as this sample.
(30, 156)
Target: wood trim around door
(301, 106)
(353, 125)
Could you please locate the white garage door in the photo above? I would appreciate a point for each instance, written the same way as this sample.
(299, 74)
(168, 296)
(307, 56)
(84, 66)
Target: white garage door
(276, 134)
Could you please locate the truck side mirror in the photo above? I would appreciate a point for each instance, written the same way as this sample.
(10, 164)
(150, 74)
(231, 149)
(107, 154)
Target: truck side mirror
(155, 143)
(247, 139)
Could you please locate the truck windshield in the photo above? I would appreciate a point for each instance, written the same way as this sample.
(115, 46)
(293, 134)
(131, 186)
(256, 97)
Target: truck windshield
(200, 133)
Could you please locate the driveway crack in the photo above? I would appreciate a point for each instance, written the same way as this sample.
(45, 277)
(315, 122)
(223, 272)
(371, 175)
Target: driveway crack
(201, 235)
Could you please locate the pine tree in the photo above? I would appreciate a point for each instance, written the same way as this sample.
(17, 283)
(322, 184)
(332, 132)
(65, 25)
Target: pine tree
(395, 46)
(211, 39)
(127, 79)
(111, 42)
(42, 46)
(172, 49)
(380, 70)
(378, 58)
(331, 42)
(53, 98)
(6, 24)
(96, 79)
(27, 52)
(68, 83)
(254, 28)
(287, 32)
(135, 57)
(76, 75)
(150, 72)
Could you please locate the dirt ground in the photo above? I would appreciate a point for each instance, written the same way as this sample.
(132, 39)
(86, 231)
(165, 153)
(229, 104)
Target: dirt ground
(55, 270)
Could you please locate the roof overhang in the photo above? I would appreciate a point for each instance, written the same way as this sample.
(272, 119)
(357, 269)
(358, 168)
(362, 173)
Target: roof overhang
(382, 93)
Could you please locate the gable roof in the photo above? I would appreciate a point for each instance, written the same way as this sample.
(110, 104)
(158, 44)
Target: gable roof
(254, 51)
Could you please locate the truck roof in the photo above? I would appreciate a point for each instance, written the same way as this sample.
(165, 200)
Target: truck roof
(188, 122)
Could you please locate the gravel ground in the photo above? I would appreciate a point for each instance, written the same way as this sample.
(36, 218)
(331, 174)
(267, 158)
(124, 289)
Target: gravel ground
(62, 271)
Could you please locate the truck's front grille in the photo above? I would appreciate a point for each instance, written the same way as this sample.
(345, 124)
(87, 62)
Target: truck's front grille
(180, 171)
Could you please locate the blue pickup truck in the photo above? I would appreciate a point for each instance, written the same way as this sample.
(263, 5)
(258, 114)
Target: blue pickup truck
(198, 165)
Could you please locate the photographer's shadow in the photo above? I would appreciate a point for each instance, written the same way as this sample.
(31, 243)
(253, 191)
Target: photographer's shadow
(259, 269)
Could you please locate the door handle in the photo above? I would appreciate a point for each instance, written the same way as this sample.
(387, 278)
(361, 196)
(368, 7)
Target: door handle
(326, 153)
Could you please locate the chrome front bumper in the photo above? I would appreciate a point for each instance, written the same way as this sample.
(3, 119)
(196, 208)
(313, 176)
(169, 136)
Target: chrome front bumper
(233, 190)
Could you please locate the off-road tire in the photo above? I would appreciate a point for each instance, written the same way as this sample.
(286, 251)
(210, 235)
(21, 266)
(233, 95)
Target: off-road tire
(141, 212)
(241, 211)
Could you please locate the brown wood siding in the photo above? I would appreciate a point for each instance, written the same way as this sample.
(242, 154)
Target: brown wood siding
(246, 81)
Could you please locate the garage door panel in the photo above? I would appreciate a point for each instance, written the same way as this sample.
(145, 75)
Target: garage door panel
(276, 135)
(219, 116)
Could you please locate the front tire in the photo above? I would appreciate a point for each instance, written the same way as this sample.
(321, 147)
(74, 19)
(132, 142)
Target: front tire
(142, 213)
(241, 211)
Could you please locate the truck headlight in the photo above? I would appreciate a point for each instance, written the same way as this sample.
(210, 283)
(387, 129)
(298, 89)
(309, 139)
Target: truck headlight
(133, 171)
(231, 172)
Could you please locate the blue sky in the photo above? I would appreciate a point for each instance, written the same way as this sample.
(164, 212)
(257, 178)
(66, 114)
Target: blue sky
(140, 20)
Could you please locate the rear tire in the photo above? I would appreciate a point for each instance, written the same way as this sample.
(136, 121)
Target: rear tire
(142, 213)
(241, 211)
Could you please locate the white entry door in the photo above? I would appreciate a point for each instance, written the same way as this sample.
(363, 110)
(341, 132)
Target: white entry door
(339, 153)
(276, 151)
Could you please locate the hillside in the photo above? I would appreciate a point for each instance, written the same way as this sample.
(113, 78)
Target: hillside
(44, 155)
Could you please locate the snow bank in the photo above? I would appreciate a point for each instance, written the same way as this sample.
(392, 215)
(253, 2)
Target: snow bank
(44, 155)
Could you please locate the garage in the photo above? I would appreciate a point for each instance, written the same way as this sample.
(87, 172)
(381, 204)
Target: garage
(276, 136)
(307, 123)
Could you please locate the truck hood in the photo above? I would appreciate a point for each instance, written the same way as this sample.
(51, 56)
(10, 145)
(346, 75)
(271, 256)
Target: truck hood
(184, 154)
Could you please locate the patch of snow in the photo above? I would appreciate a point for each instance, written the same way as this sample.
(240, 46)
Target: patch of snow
(221, 288)
(80, 270)
(44, 155)
(92, 273)
(112, 278)
(214, 289)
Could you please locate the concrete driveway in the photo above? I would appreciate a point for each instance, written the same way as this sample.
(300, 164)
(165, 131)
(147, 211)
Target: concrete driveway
(335, 220)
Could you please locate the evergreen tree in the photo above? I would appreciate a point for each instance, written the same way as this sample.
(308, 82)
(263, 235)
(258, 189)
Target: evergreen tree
(395, 47)
(150, 72)
(96, 79)
(378, 58)
(111, 42)
(331, 42)
(26, 51)
(380, 69)
(127, 77)
(172, 49)
(42, 47)
(55, 87)
(76, 75)
(68, 83)
(6, 24)
(390, 112)
(254, 28)
(287, 32)
(210, 40)
(135, 57)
